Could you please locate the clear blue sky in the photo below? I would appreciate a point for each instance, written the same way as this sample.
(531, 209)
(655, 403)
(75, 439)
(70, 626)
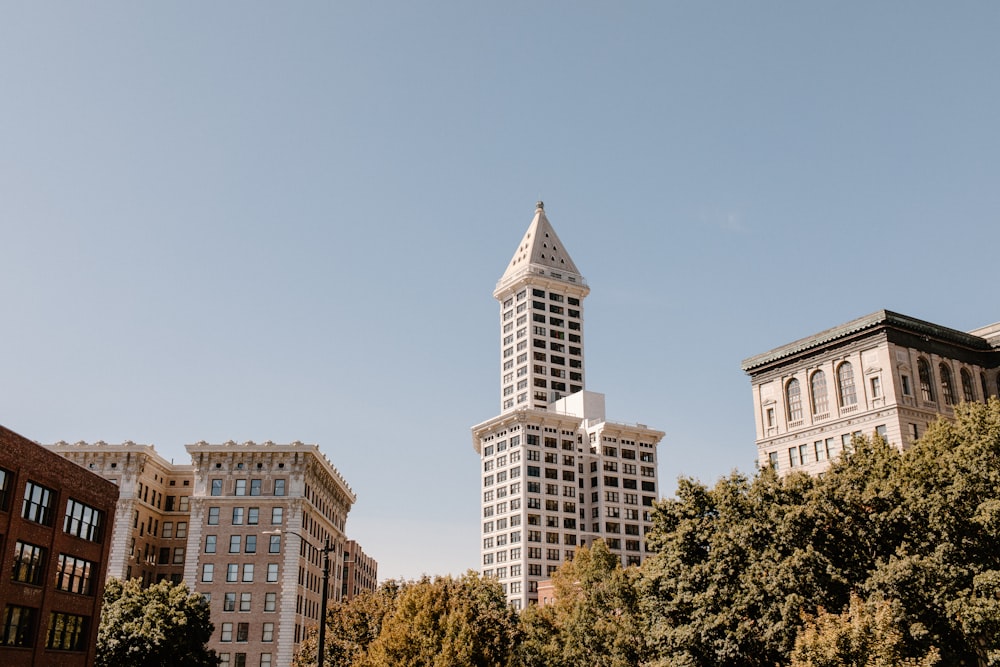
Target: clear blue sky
(284, 221)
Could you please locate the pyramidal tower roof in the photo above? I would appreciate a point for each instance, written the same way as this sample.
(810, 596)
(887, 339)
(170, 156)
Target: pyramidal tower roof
(540, 249)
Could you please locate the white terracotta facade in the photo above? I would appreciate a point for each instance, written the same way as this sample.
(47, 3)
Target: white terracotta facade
(555, 473)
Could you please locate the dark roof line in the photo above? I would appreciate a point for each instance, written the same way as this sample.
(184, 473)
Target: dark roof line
(877, 319)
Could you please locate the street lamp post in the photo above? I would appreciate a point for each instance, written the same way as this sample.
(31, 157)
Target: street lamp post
(321, 649)
(325, 550)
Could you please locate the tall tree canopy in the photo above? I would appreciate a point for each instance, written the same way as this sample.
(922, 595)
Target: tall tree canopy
(594, 619)
(351, 626)
(441, 622)
(733, 570)
(946, 567)
(164, 625)
(864, 635)
(447, 621)
(890, 558)
(740, 563)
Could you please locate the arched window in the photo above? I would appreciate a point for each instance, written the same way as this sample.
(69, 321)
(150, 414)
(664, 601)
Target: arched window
(986, 387)
(845, 385)
(924, 373)
(947, 390)
(793, 396)
(967, 394)
(817, 386)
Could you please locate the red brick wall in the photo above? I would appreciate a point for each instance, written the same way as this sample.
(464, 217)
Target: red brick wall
(24, 460)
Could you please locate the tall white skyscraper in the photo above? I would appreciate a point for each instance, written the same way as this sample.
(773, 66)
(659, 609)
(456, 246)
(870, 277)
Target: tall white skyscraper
(555, 473)
(541, 320)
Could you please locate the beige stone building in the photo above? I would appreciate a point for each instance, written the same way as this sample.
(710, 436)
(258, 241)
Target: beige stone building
(243, 524)
(555, 472)
(149, 540)
(884, 373)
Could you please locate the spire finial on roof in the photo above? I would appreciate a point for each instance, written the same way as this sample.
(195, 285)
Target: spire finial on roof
(539, 206)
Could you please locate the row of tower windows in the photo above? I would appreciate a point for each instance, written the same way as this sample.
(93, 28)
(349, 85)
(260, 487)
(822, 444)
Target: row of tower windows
(508, 312)
(568, 507)
(544, 391)
(540, 293)
(551, 489)
(542, 344)
(501, 476)
(500, 446)
(502, 507)
(538, 553)
(501, 524)
(501, 460)
(538, 356)
(537, 330)
(550, 553)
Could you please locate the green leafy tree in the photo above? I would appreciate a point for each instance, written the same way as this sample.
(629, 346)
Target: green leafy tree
(945, 569)
(594, 619)
(864, 635)
(733, 570)
(741, 575)
(738, 564)
(351, 626)
(978, 613)
(164, 625)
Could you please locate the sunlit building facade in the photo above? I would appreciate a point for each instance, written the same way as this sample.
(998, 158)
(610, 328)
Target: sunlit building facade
(242, 524)
(884, 373)
(149, 537)
(555, 473)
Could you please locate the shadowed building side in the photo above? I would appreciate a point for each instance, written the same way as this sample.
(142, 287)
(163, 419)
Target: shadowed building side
(55, 539)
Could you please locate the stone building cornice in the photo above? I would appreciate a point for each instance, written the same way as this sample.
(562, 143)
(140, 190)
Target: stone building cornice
(252, 450)
(523, 416)
(860, 328)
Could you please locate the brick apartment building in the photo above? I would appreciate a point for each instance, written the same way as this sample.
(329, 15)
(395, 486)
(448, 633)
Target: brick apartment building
(54, 547)
(360, 571)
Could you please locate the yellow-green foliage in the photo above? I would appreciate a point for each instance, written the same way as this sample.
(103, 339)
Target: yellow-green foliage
(864, 635)
(741, 574)
(440, 622)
